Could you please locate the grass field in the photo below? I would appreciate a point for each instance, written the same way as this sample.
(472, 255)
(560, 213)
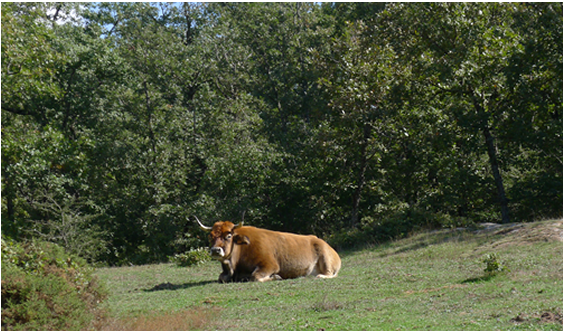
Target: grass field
(430, 281)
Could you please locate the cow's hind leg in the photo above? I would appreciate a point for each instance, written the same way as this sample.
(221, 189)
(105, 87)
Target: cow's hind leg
(327, 276)
(266, 273)
(328, 264)
(324, 270)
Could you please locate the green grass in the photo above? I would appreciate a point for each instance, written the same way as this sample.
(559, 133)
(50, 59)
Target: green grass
(431, 281)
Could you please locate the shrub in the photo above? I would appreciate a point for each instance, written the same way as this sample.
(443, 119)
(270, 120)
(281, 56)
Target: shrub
(191, 257)
(43, 288)
(493, 265)
(348, 238)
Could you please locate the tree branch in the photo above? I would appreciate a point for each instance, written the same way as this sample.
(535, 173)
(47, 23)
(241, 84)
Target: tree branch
(16, 111)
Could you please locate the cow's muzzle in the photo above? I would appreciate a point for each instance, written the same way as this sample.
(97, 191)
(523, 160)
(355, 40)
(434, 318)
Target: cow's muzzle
(217, 252)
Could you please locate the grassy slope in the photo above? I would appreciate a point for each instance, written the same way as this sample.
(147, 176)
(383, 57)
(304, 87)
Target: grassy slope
(429, 281)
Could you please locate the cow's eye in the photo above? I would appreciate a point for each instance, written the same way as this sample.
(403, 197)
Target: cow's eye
(229, 236)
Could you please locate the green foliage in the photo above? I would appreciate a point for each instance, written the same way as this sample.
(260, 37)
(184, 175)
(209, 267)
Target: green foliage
(45, 172)
(29, 60)
(493, 265)
(191, 257)
(43, 288)
(357, 121)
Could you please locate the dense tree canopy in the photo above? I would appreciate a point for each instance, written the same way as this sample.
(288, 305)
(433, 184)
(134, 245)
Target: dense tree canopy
(348, 120)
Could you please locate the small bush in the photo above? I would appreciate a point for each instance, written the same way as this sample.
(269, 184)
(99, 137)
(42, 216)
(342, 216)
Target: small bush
(349, 238)
(493, 265)
(191, 257)
(43, 288)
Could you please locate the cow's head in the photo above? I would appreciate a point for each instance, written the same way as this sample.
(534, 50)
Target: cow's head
(223, 237)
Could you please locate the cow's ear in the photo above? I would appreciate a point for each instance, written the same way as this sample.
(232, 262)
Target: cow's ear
(241, 240)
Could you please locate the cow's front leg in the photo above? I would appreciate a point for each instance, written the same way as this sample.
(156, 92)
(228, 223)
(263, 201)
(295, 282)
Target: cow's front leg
(227, 274)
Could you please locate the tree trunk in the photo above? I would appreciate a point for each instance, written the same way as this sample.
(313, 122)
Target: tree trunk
(492, 151)
(10, 203)
(361, 180)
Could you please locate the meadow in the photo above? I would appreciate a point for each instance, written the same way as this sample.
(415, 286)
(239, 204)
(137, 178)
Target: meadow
(429, 281)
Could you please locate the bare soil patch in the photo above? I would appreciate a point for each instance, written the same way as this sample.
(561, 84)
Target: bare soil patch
(547, 317)
(551, 318)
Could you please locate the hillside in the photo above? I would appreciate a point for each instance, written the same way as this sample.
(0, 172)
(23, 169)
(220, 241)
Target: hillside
(432, 280)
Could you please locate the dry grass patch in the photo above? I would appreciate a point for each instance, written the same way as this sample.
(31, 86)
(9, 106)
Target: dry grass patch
(327, 305)
(188, 319)
(526, 233)
(506, 237)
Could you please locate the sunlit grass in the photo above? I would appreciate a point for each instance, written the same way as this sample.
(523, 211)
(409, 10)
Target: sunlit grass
(431, 281)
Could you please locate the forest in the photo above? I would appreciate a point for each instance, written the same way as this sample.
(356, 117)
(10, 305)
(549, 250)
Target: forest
(357, 122)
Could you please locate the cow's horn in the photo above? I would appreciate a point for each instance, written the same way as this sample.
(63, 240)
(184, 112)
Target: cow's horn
(203, 227)
(241, 222)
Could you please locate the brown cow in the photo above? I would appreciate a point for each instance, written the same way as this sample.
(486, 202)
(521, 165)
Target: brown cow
(249, 253)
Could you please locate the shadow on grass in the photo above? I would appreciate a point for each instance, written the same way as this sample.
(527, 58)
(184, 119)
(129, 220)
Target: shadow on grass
(416, 240)
(478, 279)
(174, 287)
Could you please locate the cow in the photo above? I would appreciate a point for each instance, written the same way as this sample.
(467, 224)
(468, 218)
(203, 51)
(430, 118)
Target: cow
(254, 254)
